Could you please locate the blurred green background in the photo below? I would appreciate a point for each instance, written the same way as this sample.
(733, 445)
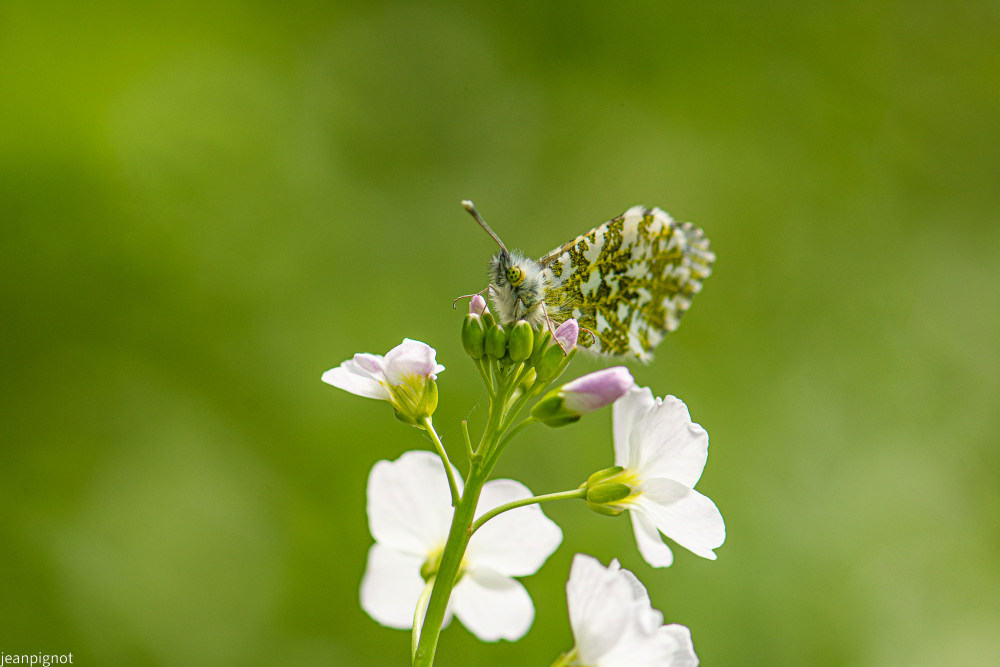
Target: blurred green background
(206, 206)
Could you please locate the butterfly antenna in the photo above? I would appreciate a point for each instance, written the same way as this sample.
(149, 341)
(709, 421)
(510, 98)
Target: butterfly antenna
(471, 208)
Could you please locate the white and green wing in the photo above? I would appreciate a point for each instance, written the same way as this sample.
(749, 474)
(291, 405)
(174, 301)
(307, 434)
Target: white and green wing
(629, 281)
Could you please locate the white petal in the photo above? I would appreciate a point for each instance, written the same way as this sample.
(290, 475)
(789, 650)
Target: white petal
(648, 539)
(517, 542)
(638, 651)
(409, 503)
(391, 586)
(684, 515)
(600, 604)
(627, 412)
(677, 638)
(670, 444)
(348, 377)
(493, 606)
(647, 618)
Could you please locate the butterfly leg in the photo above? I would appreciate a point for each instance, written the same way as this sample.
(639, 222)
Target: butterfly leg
(551, 326)
(592, 334)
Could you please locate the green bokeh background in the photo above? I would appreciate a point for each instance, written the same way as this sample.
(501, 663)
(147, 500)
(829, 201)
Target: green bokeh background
(204, 207)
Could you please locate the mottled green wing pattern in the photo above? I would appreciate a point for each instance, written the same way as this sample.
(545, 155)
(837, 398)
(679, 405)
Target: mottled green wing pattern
(628, 281)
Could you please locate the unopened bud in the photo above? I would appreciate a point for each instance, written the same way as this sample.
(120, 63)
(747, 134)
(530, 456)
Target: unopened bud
(551, 361)
(477, 305)
(551, 411)
(567, 333)
(593, 391)
(529, 380)
(520, 341)
(474, 335)
(496, 342)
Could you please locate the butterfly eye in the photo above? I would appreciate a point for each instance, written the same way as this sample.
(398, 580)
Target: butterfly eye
(515, 275)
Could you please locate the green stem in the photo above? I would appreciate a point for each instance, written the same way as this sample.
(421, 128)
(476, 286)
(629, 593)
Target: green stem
(481, 367)
(548, 497)
(449, 570)
(468, 442)
(418, 616)
(429, 427)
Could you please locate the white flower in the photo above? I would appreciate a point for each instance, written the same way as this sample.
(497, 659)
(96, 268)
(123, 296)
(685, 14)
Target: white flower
(663, 454)
(405, 377)
(409, 514)
(614, 624)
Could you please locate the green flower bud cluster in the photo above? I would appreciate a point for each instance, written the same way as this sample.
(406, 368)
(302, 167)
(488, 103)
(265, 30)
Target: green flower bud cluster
(516, 343)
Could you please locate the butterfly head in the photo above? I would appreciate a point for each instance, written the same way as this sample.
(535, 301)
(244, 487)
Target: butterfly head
(517, 284)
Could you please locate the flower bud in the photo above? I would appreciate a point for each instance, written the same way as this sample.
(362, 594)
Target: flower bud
(520, 341)
(474, 335)
(566, 334)
(596, 390)
(583, 395)
(529, 381)
(477, 305)
(551, 411)
(551, 361)
(496, 342)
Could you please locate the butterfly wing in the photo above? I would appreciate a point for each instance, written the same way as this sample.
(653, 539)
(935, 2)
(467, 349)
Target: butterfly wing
(628, 281)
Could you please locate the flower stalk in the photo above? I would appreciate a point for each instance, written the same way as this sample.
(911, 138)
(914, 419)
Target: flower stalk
(505, 372)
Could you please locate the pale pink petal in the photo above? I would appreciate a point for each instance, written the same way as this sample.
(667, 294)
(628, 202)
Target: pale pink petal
(477, 306)
(596, 390)
(391, 586)
(371, 364)
(409, 503)
(517, 542)
(492, 606)
(682, 514)
(409, 358)
(350, 377)
(567, 333)
(648, 539)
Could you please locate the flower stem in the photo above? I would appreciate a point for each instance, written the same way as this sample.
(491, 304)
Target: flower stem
(418, 616)
(548, 497)
(468, 442)
(449, 570)
(426, 423)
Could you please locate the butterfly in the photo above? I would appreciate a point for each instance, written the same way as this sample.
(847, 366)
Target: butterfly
(627, 282)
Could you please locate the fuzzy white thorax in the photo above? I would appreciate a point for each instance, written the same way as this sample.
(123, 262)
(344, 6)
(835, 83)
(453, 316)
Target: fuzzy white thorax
(523, 301)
